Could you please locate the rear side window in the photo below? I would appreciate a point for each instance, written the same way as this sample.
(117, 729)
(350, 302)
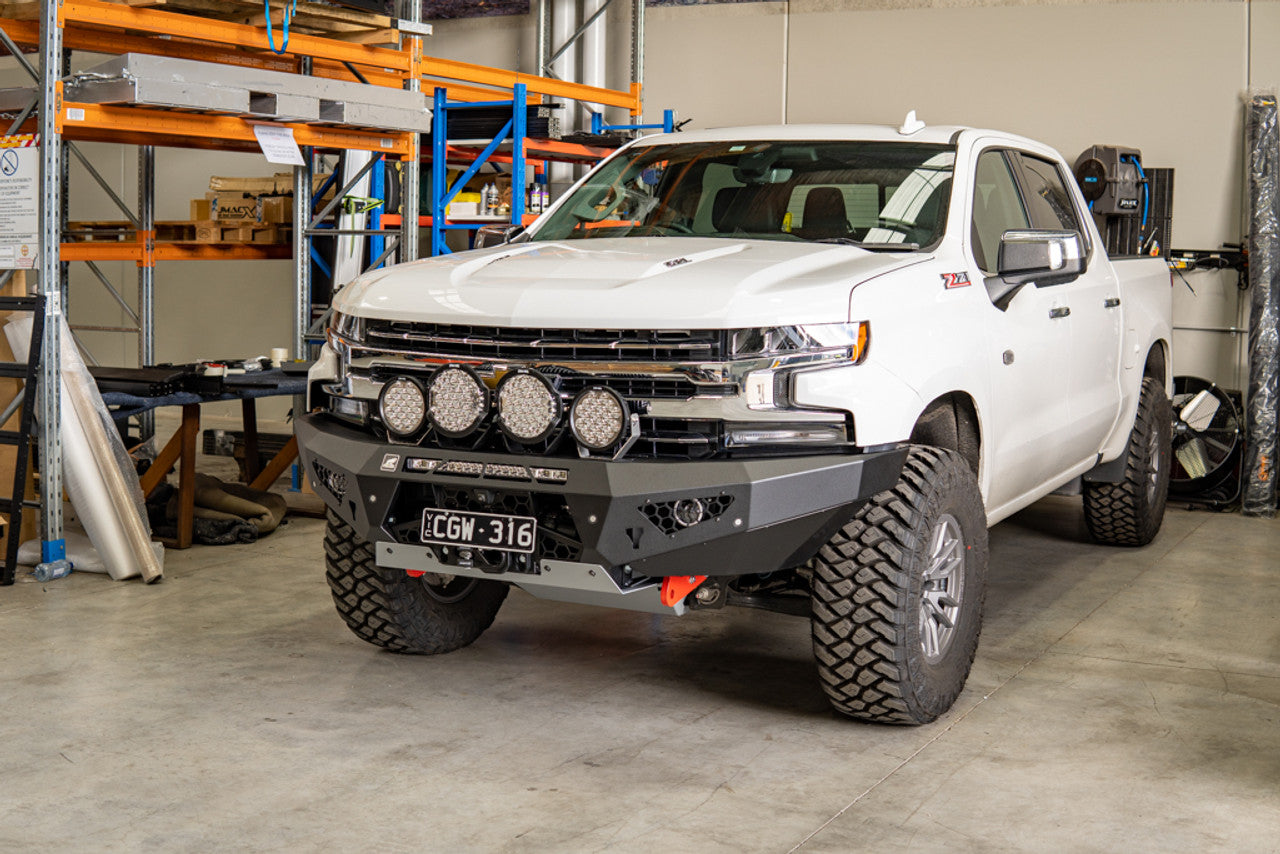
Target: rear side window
(1048, 202)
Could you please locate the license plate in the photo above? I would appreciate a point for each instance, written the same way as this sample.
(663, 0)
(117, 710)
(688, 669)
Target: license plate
(479, 530)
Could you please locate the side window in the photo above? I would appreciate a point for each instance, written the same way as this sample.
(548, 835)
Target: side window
(997, 207)
(1047, 198)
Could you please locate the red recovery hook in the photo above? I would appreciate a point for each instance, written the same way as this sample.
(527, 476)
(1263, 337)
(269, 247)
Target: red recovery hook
(676, 587)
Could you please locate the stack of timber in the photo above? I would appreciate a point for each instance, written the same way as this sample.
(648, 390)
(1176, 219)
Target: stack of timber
(314, 18)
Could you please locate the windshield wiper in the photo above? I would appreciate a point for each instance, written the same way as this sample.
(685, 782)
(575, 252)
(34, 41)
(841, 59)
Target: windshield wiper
(870, 247)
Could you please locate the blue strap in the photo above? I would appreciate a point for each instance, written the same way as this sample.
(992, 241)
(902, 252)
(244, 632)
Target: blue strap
(289, 11)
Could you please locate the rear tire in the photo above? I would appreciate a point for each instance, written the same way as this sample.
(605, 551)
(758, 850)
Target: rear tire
(885, 588)
(1130, 513)
(391, 609)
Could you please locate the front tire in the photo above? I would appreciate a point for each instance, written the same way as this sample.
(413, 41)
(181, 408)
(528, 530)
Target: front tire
(898, 594)
(1129, 513)
(389, 608)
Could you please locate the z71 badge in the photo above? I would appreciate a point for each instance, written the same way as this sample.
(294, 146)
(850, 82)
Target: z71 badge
(955, 280)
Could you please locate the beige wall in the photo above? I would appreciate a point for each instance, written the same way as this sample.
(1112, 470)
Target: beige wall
(1166, 77)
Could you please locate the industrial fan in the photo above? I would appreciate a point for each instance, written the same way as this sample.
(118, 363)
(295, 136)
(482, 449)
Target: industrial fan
(1207, 443)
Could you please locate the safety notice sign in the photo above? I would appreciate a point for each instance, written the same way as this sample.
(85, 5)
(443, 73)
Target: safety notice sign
(19, 201)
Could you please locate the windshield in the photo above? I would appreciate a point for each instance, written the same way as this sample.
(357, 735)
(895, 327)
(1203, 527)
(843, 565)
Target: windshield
(889, 195)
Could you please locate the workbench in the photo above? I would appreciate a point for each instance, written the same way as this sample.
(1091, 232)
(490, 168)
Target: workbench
(182, 447)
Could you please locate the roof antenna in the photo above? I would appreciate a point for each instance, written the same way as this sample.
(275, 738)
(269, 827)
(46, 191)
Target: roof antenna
(911, 124)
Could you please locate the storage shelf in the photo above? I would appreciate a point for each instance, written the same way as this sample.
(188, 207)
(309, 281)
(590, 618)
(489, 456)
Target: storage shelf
(164, 251)
(425, 221)
(170, 128)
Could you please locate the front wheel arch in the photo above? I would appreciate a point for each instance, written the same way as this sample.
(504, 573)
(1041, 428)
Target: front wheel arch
(951, 422)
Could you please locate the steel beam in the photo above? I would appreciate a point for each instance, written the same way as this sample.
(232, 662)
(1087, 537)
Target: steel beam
(111, 289)
(411, 171)
(637, 56)
(102, 182)
(54, 545)
(147, 274)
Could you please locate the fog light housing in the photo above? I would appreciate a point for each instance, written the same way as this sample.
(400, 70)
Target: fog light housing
(598, 418)
(459, 401)
(528, 407)
(403, 406)
(688, 512)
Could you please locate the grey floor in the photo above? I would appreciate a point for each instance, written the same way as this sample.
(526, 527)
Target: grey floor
(1121, 701)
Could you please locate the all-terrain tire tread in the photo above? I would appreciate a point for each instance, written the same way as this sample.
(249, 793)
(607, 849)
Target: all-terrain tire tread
(388, 608)
(1119, 514)
(861, 588)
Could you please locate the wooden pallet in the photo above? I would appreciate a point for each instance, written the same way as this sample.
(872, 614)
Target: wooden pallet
(120, 231)
(314, 18)
(214, 231)
(182, 231)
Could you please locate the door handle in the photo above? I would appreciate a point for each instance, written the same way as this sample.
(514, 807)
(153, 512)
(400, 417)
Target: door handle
(1060, 311)
(1111, 302)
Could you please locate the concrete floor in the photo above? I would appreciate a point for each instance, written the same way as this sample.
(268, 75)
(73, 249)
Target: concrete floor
(1121, 701)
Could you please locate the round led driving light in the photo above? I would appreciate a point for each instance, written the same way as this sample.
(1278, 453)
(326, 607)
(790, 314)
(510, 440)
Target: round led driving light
(458, 401)
(688, 512)
(598, 417)
(403, 406)
(528, 407)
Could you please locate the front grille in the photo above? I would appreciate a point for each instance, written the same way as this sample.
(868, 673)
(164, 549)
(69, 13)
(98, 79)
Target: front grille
(642, 388)
(570, 384)
(496, 343)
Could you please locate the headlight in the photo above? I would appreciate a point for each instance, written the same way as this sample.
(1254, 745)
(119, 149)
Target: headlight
(598, 418)
(403, 406)
(847, 341)
(458, 401)
(790, 348)
(528, 407)
(345, 327)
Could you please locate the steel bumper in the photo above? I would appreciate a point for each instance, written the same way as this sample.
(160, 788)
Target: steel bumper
(761, 515)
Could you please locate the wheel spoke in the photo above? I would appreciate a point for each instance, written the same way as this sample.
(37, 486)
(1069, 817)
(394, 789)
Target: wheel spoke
(931, 639)
(941, 588)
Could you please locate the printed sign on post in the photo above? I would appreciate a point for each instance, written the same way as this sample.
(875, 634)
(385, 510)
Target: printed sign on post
(19, 201)
(278, 145)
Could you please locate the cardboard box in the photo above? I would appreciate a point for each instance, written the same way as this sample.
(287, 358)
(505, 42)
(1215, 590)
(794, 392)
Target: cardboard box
(240, 207)
(280, 183)
(275, 209)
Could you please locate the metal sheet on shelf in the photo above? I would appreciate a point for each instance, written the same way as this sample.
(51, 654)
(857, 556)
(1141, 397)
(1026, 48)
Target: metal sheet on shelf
(182, 83)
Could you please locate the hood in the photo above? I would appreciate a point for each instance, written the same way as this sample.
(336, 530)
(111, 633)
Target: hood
(634, 282)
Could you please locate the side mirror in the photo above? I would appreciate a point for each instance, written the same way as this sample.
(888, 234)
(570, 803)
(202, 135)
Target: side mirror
(1042, 256)
(496, 235)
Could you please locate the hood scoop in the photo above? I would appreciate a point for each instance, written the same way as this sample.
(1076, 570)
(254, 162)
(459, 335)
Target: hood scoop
(465, 270)
(677, 261)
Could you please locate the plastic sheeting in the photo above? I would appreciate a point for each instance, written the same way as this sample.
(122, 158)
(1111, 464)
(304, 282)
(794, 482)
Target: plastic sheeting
(98, 474)
(1263, 138)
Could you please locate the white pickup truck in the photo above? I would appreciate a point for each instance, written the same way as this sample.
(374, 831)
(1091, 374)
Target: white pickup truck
(797, 368)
